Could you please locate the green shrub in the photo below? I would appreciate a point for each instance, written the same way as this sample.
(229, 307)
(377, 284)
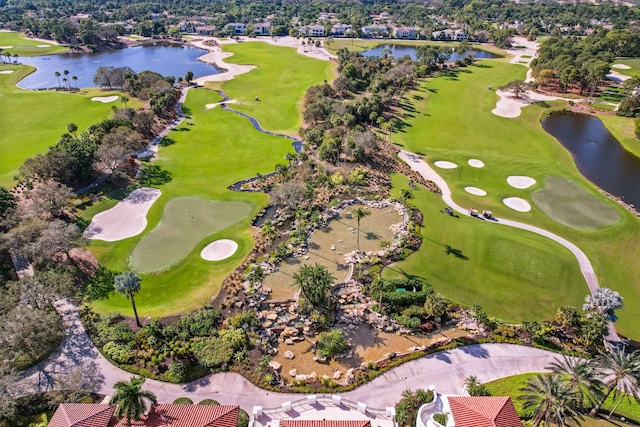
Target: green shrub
(117, 352)
(243, 419)
(209, 402)
(331, 343)
(441, 418)
(178, 370)
(183, 401)
(398, 300)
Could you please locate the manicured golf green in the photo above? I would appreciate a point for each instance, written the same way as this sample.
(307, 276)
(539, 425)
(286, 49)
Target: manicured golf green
(32, 121)
(634, 63)
(360, 45)
(214, 149)
(567, 202)
(280, 81)
(512, 274)
(185, 222)
(449, 118)
(13, 43)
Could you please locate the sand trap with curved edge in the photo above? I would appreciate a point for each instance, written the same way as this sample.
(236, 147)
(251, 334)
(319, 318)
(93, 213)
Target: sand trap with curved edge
(520, 182)
(621, 66)
(6, 71)
(6, 47)
(476, 163)
(105, 99)
(517, 204)
(231, 101)
(219, 250)
(43, 45)
(475, 191)
(510, 107)
(443, 164)
(126, 219)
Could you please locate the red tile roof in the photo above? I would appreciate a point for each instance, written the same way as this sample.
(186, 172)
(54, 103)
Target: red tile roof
(82, 415)
(484, 411)
(94, 415)
(324, 423)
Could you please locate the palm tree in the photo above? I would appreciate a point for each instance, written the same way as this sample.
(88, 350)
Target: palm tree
(75, 80)
(66, 73)
(620, 370)
(550, 399)
(359, 213)
(130, 399)
(269, 232)
(57, 74)
(72, 128)
(289, 157)
(128, 284)
(124, 99)
(582, 377)
(405, 195)
(314, 282)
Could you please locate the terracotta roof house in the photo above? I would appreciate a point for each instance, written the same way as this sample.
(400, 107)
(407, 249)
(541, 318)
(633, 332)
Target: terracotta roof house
(325, 423)
(483, 411)
(99, 415)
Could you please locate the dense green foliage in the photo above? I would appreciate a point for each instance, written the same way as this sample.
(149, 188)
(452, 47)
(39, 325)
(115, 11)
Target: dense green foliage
(331, 343)
(407, 407)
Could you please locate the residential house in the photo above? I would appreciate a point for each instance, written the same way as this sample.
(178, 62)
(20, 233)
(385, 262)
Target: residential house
(100, 415)
(262, 29)
(460, 35)
(315, 30)
(236, 28)
(442, 35)
(374, 31)
(205, 30)
(471, 411)
(340, 30)
(406, 33)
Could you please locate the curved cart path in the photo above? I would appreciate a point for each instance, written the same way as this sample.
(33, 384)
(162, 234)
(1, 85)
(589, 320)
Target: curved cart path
(445, 370)
(416, 163)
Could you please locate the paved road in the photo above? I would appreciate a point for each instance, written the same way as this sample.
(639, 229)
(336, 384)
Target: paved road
(445, 370)
(416, 163)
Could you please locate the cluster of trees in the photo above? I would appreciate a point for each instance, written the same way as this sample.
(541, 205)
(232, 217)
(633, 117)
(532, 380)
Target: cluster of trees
(179, 351)
(407, 407)
(59, 28)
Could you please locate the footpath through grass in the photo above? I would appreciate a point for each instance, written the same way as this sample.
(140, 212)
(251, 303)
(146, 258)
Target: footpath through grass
(13, 43)
(449, 118)
(32, 121)
(280, 81)
(214, 149)
(510, 386)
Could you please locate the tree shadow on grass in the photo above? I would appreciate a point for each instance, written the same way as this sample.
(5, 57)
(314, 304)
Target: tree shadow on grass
(450, 250)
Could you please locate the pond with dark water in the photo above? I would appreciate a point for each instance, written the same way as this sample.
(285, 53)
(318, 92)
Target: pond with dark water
(167, 60)
(398, 51)
(598, 154)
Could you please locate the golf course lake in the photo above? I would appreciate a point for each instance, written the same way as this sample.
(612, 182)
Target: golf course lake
(398, 51)
(167, 60)
(598, 154)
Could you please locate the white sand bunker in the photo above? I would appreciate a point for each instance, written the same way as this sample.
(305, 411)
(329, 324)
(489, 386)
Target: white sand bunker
(219, 250)
(6, 71)
(520, 182)
(443, 164)
(105, 99)
(231, 101)
(476, 163)
(44, 45)
(475, 191)
(126, 219)
(6, 47)
(621, 66)
(517, 204)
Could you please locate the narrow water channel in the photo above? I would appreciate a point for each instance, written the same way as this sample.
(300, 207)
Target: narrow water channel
(598, 154)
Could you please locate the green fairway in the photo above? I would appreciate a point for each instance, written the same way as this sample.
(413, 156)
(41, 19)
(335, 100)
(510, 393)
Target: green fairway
(634, 63)
(32, 121)
(360, 45)
(570, 204)
(449, 118)
(513, 274)
(280, 81)
(185, 222)
(214, 149)
(13, 43)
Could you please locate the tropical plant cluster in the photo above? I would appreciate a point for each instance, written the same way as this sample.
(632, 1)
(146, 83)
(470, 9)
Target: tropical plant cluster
(407, 407)
(185, 349)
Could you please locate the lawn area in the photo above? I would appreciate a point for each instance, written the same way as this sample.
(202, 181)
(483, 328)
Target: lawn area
(472, 261)
(449, 118)
(27, 47)
(214, 148)
(32, 121)
(510, 386)
(280, 80)
(623, 129)
(634, 63)
(359, 45)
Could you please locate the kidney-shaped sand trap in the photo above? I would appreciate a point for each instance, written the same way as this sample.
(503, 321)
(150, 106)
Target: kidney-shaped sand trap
(476, 163)
(475, 191)
(105, 99)
(443, 164)
(219, 250)
(6, 71)
(44, 45)
(517, 204)
(126, 219)
(621, 66)
(6, 47)
(520, 181)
